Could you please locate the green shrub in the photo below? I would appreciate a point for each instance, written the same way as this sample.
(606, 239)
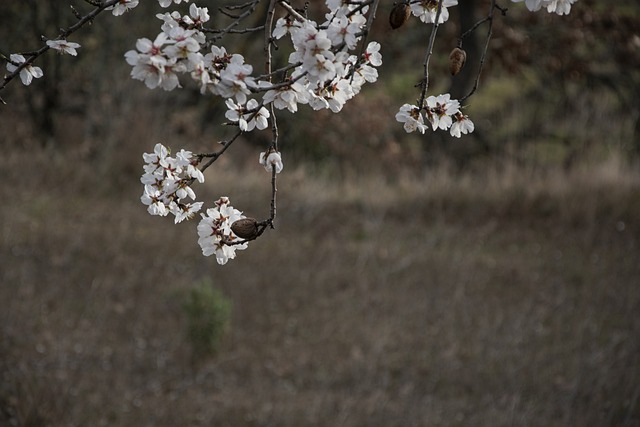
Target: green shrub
(208, 317)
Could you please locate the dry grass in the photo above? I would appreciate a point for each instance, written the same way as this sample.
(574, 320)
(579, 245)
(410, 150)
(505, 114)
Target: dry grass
(497, 298)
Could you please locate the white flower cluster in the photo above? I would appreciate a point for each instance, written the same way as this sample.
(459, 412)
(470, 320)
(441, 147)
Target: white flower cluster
(324, 74)
(215, 234)
(321, 73)
(175, 50)
(167, 183)
(561, 7)
(441, 112)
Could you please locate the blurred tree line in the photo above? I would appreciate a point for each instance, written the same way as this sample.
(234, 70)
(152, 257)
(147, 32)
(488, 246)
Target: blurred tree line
(554, 88)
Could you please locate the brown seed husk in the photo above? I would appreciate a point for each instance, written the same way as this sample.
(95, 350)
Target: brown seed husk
(245, 228)
(399, 15)
(457, 58)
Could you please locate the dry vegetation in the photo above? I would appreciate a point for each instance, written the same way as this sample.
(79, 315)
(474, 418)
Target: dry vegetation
(502, 298)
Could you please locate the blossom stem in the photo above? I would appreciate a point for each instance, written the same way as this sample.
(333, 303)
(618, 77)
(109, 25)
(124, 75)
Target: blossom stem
(272, 210)
(424, 83)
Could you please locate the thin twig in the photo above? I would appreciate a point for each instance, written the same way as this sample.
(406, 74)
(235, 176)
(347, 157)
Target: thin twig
(274, 121)
(367, 28)
(471, 30)
(233, 30)
(424, 83)
(214, 156)
(251, 7)
(251, 3)
(292, 11)
(274, 190)
(486, 49)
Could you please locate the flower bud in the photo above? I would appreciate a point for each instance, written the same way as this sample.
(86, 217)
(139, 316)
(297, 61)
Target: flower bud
(457, 57)
(399, 15)
(245, 228)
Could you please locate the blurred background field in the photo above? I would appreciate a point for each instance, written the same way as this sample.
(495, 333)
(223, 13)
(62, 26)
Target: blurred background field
(410, 281)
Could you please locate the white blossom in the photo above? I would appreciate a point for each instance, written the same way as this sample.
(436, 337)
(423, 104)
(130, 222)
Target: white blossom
(561, 7)
(461, 125)
(122, 6)
(440, 110)
(271, 160)
(284, 26)
(337, 94)
(345, 30)
(235, 80)
(200, 15)
(372, 54)
(287, 96)
(64, 46)
(248, 117)
(427, 10)
(28, 73)
(412, 119)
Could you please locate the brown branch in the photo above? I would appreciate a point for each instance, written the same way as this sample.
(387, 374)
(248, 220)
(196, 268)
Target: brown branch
(250, 6)
(367, 27)
(274, 190)
(233, 30)
(489, 19)
(292, 11)
(215, 155)
(267, 223)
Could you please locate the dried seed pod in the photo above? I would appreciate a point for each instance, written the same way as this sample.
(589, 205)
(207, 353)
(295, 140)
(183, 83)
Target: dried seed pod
(245, 228)
(399, 15)
(457, 57)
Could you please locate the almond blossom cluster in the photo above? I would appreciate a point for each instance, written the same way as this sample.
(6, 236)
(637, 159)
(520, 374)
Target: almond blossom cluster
(441, 112)
(175, 50)
(215, 236)
(325, 64)
(167, 183)
(324, 75)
